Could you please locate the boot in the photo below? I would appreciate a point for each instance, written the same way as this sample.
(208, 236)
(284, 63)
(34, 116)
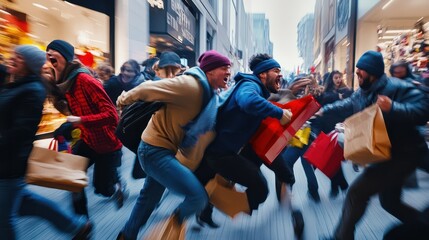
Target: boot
(298, 223)
(85, 232)
(80, 203)
(205, 217)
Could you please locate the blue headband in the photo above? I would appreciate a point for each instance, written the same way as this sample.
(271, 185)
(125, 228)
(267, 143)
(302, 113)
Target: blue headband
(265, 66)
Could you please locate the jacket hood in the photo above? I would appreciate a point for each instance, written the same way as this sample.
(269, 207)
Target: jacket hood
(247, 76)
(196, 72)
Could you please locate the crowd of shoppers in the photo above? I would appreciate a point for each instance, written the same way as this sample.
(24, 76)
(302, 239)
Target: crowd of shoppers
(203, 129)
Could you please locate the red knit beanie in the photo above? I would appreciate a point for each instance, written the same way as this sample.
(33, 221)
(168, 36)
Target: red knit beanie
(211, 59)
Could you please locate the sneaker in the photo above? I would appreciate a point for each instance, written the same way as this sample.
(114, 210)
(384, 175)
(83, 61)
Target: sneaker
(85, 232)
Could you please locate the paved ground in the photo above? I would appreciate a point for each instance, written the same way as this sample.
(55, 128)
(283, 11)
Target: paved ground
(270, 222)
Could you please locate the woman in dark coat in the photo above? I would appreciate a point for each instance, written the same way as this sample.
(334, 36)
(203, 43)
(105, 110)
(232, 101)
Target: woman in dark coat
(334, 90)
(22, 94)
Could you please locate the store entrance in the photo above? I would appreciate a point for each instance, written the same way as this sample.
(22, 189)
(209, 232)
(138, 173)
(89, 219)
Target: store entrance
(397, 29)
(164, 42)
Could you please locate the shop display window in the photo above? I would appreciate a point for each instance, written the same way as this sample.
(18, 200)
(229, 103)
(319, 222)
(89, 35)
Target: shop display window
(51, 120)
(410, 44)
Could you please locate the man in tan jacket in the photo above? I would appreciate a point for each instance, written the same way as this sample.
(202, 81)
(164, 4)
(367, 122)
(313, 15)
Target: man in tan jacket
(173, 127)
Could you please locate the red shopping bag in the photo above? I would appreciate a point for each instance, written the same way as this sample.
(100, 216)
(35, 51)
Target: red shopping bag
(53, 145)
(271, 137)
(325, 153)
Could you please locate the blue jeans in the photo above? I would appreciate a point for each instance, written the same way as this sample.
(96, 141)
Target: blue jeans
(16, 200)
(163, 171)
(291, 155)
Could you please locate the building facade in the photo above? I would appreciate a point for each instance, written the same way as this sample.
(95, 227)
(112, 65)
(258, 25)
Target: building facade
(305, 41)
(118, 30)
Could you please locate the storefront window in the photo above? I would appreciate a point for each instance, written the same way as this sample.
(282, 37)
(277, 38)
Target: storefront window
(397, 29)
(42, 21)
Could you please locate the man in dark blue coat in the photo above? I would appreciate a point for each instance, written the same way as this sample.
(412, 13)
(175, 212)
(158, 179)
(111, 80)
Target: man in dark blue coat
(238, 119)
(404, 108)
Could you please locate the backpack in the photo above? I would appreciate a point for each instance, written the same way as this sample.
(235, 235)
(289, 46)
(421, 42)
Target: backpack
(135, 117)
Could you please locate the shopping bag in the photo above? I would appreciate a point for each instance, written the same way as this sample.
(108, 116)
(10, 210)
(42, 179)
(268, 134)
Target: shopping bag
(271, 137)
(167, 229)
(133, 121)
(53, 145)
(59, 170)
(366, 139)
(325, 153)
(59, 144)
(225, 197)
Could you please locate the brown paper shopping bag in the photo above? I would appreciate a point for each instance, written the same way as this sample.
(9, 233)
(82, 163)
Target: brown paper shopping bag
(225, 197)
(366, 140)
(53, 169)
(167, 229)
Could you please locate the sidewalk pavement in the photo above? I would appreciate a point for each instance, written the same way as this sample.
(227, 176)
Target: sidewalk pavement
(271, 222)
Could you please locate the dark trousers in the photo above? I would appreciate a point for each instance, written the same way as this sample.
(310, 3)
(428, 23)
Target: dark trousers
(339, 181)
(279, 166)
(244, 172)
(105, 175)
(291, 154)
(385, 179)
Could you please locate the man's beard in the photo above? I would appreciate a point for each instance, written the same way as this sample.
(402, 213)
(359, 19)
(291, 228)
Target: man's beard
(366, 84)
(272, 89)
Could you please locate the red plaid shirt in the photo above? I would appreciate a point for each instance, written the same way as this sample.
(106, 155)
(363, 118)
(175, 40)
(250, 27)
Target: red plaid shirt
(88, 100)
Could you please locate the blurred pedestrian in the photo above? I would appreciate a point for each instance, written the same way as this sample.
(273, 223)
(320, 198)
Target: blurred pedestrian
(148, 71)
(106, 74)
(334, 90)
(82, 98)
(21, 100)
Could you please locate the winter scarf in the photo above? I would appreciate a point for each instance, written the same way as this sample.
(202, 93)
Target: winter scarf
(206, 120)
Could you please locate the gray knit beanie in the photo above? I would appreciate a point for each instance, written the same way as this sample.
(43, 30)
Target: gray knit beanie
(34, 57)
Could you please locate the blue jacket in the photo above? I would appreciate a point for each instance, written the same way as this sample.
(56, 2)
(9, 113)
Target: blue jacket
(410, 109)
(241, 114)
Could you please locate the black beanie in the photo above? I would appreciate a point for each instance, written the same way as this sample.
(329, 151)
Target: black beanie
(372, 63)
(64, 48)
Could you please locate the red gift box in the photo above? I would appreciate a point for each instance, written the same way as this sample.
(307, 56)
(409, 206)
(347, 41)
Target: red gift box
(271, 137)
(325, 153)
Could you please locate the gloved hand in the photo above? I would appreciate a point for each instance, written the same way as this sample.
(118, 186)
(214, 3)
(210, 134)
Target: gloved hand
(287, 116)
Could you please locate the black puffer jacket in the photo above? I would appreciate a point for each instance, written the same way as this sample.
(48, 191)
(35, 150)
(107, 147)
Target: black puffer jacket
(410, 109)
(21, 105)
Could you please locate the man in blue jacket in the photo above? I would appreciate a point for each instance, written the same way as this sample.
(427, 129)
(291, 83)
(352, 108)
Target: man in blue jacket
(238, 119)
(404, 108)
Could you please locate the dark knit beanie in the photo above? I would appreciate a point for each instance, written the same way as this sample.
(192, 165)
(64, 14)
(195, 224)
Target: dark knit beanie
(64, 48)
(211, 59)
(371, 62)
(34, 57)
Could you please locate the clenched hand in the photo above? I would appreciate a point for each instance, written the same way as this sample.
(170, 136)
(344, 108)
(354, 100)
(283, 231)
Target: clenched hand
(287, 116)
